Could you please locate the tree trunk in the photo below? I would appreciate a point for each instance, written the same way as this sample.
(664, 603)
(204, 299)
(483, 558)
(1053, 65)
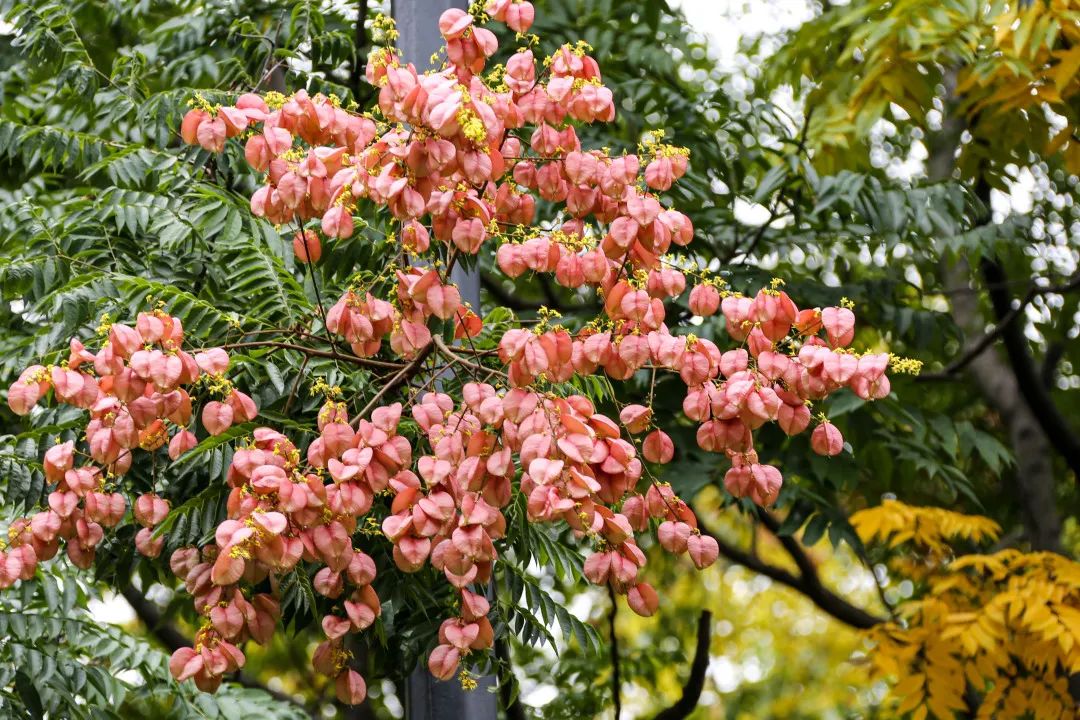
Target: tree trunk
(1033, 478)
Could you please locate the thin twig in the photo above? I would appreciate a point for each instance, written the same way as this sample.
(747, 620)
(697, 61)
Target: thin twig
(980, 346)
(445, 350)
(616, 692)
(364, 362)
(404, 375)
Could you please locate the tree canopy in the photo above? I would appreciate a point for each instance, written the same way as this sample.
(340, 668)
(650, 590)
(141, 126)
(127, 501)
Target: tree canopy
(912, 164)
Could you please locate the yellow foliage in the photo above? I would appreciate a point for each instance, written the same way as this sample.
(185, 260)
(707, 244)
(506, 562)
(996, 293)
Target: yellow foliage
(1000, 629)
(1006, 59)
(929, 528)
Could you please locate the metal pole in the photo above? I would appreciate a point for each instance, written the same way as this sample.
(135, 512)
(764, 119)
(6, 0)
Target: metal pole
(427, 698)
(418, 25)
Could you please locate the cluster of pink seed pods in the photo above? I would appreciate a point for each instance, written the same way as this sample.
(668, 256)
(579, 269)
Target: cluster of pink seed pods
(136, 392)
(448, 162)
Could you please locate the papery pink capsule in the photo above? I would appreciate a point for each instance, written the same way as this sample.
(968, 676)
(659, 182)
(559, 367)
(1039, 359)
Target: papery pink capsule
(635, 418)
(217, 417)
(703, 550)
(519, 16)
(306, 247)
(443, 661)
(793, 419)
(658, 447)
(827, 440)
(185, 663)
(673, 536)
(211, 133)
(337, 222)
(181, 442)
(349, 687)
(149, 509)
(454, 22)
(148, 545)
(839, 324)
(23, 395)
(643, 600)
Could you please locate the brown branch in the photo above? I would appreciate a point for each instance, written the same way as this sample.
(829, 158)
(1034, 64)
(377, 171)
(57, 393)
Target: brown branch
(807, 582)
(1003, 325)
(511, 704)
(363, 362)
(613, 643)
(691, 691)
(403, 376)
(1048, 369)
(445, 350)
(162, 630)
(1046, 412)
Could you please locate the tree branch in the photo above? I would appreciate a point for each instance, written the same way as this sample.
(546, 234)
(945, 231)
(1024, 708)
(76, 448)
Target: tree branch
(616, 694)
(1048, 369)
(403, 376)
(363, 362)
(1005, 321)
(691, 691)
(807, 582)
(511, 704)
(151, 617)
(1053, 424)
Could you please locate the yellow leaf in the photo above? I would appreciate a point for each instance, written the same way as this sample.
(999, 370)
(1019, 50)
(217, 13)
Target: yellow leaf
(910, 686)
(1066, 68)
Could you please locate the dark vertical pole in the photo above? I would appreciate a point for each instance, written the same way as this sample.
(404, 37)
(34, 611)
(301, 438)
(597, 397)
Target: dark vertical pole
(427, 698)
(418, 25)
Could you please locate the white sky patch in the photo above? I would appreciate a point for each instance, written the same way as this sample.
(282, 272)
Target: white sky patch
(112, 609)
(726, 23)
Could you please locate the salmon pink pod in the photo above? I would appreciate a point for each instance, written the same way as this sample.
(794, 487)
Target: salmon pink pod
(827, 440)
(673, 536)
(839, 324)
(24, 393)
(704, 300)
(869, 381)
(415, 237)
(702, 549)
(243, 406)
(659, 174)
(337, 222)
(443, 661)
(658, 447)
(211, 133)
(150, 510)
(349, 687)
(148, 545)
(643, 600)
(189, 126)
(306, 247)
(217, 417)
(213, 361)
(793, 419)
(635, 418)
